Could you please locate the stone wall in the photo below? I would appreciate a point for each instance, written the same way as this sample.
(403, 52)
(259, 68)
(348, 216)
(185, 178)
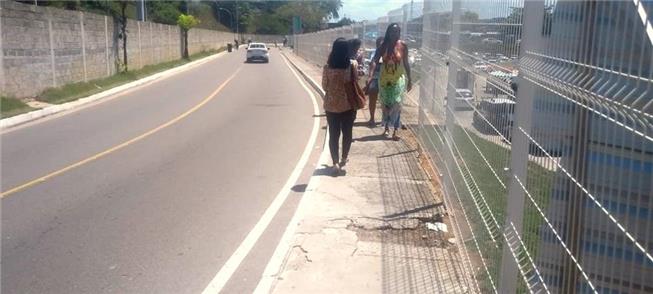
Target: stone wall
(42, 47)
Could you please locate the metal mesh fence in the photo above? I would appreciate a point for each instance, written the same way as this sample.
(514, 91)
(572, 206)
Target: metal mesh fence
(538, 116)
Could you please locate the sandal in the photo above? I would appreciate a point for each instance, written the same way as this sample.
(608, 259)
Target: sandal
(395, 137)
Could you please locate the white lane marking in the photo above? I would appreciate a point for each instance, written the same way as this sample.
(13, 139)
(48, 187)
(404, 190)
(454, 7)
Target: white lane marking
(280, 255)
(228, 269)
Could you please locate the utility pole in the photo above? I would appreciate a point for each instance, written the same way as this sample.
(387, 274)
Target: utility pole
(140, 6)
(231, 17)
(237, 22)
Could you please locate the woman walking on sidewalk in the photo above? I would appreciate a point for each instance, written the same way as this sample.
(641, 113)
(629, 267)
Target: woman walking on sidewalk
(339, 112)
(372, 85)
(394, 78)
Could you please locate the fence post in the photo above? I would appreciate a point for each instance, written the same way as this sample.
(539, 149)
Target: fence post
(81, 29)
(533, 15)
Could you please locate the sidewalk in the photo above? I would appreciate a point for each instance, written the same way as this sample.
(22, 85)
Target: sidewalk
(366, 232)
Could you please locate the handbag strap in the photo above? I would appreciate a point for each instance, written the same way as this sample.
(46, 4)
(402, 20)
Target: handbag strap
(352, 74)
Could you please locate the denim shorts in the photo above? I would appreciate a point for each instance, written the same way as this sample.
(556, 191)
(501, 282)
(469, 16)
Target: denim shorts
(374, 86)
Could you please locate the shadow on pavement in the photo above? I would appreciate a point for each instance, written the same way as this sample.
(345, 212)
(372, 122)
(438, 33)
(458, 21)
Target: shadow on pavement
(326, 170)
(410, 265)
(299, 188)
(371, 138)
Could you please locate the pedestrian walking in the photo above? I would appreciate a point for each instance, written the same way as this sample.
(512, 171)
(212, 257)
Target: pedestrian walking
(337, 73)
(236, 42)
(372, 85)
(355, 54)
(394, 78)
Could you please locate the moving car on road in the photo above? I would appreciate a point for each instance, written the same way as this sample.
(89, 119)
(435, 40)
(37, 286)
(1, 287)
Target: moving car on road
(257, 51)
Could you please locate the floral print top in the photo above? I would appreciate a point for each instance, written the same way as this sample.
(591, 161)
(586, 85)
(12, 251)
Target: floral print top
(333, 83)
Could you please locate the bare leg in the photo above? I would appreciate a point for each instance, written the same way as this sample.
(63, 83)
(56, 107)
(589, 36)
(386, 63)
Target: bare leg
(373, 98)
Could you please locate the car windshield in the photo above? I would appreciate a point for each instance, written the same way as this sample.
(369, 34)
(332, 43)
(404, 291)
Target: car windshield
(257, 46)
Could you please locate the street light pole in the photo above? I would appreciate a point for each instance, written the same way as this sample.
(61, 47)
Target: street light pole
(231, 16)
(237, 22)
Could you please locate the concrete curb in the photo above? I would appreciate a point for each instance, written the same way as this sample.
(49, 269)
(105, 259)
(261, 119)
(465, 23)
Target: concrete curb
(315, 85)
(59, 108)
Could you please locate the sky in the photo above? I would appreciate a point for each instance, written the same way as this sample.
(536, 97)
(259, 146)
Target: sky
(369, 9)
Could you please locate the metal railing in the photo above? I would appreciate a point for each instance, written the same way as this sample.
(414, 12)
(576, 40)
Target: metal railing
(539, 117)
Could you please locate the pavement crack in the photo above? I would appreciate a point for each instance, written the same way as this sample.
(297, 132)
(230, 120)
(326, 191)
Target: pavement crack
(304, 251)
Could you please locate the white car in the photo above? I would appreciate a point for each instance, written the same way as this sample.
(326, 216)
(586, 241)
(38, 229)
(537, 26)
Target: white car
(480, 65)
(258, 51)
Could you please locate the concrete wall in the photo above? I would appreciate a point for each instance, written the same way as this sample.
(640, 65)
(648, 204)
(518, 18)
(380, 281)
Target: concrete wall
(42, 47)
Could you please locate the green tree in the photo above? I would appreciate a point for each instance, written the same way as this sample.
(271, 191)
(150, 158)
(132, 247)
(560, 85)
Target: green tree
(165, 12)
(469, 16)
(186, 22)
(345, 21)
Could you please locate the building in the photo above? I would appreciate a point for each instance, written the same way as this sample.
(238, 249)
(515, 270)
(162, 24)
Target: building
(592, 55)
(396, 15)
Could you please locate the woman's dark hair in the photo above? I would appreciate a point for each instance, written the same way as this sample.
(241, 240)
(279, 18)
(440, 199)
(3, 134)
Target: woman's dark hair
(339, 56)
(379, 42)
(354, 44)
(387, 39)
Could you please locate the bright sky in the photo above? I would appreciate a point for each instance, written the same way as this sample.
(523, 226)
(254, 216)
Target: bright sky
(369, 9)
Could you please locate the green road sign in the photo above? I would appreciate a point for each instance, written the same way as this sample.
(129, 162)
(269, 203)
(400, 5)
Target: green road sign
(296, 24)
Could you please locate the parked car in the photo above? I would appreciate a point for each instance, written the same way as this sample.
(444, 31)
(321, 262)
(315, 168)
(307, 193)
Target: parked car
(491, 41)
(480, 65)
(498, 114)
(258, 51)
(464, 99)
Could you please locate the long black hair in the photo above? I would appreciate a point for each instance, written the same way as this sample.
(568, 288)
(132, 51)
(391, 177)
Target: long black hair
(354, 45)
(387, 47)
(339, 56)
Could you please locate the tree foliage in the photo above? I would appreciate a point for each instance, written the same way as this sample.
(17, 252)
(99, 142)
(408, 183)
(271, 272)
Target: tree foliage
(256, 16)
(275, 17)
(186, 22)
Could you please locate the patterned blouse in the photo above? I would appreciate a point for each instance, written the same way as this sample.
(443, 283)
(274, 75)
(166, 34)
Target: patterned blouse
(333, 83)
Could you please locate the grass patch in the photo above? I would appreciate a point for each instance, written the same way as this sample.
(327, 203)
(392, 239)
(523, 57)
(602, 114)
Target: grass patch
(540, 182)
(12, 106)
(75, 91)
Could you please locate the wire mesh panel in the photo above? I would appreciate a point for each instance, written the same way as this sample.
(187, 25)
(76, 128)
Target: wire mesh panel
(538, 116)
(315, 47)
(592, 124)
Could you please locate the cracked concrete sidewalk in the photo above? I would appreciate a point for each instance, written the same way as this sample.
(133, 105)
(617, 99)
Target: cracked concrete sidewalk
(365, 232)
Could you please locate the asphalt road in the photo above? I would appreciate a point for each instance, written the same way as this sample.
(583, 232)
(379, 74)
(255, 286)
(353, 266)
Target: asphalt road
(164, 213)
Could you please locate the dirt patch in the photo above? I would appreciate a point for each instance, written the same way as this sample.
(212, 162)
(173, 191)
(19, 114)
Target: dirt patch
(419, 236)
(404, 231)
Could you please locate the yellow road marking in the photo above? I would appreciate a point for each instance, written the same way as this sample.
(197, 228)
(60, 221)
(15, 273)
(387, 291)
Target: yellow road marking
(121, 145)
